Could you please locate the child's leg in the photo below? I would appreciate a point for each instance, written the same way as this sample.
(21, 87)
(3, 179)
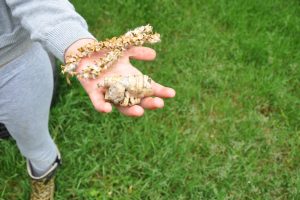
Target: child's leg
(26, 85)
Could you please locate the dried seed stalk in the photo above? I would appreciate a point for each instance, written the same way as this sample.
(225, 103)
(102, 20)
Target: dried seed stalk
(115, 47)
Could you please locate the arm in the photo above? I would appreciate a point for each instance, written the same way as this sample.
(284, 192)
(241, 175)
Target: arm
(61, 30)
(54, 23)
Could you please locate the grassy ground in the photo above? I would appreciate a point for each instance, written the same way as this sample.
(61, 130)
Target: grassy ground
(232, 132)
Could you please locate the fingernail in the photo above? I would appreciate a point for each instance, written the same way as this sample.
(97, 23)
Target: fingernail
(172, 92)
(159, 103)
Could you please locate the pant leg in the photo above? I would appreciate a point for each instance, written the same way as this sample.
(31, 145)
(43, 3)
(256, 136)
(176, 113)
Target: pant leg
(55, 78)
(26, 86)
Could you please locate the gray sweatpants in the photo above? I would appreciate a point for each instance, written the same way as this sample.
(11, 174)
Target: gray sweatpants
(26, 86)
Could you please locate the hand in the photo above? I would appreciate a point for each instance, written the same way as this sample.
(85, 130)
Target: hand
(123, 67)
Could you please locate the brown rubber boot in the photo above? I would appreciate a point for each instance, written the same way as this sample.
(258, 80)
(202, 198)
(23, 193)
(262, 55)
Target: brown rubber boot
(42, 188)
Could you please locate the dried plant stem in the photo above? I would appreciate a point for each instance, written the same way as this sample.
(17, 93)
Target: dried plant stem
(115, 47)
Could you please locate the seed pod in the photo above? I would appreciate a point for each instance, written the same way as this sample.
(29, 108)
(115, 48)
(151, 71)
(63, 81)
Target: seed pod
(127, 90)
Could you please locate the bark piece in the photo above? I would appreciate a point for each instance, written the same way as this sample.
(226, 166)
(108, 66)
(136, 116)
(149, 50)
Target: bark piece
(127, 90)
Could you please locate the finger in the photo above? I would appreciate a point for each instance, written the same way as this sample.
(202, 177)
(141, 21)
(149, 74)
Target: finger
(133, 111)
(99, 102)
(162, 91)
(141, 53)
(152, 103)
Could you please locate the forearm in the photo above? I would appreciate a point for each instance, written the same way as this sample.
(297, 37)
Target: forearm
(55, 24)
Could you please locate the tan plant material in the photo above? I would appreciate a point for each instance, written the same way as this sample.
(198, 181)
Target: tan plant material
(114, 47)
(127, 90)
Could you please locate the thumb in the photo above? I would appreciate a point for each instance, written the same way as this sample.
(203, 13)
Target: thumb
(98, 101)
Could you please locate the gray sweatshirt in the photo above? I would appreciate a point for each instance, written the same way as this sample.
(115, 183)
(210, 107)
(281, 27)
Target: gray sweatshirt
(53, 23)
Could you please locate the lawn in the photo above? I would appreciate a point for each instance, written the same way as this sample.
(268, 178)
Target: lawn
(232, 132)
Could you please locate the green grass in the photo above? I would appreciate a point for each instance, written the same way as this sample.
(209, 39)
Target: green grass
(232, 132)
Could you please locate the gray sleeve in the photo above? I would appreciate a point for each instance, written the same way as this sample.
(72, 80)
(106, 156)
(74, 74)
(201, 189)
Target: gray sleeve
(53, 23)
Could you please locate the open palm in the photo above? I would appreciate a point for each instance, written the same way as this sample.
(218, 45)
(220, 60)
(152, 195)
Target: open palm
(123, 67)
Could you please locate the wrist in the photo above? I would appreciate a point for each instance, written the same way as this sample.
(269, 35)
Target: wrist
(73, 48)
